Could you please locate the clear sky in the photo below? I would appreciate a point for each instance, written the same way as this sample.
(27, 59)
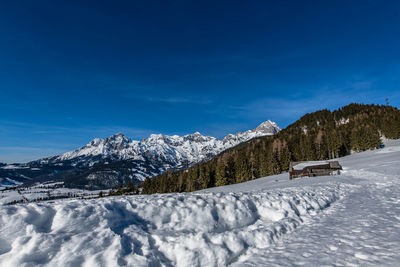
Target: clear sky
(71, 71)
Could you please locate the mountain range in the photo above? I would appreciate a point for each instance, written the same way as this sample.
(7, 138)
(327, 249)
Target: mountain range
(106, 163)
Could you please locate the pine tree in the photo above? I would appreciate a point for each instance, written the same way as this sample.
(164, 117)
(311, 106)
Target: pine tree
(328, 135)
(220, 174)
(284, 159)
(334, 143)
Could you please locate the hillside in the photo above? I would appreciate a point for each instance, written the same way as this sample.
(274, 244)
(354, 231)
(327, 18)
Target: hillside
(319, 135)
(350, 219)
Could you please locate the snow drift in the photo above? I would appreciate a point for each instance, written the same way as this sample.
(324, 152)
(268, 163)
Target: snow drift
(175, 229)
(349, 219)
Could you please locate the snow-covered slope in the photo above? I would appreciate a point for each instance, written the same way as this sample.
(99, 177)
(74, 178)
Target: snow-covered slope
(5, 182)
(350, 219)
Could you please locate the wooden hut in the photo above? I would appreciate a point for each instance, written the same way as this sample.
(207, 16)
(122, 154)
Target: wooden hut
(313, 168)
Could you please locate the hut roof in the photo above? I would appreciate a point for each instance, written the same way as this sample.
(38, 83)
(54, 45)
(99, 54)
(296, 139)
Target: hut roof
(302, 165)
(298, 166)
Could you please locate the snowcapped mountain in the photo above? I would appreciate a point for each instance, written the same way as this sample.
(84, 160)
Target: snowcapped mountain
(118, 159)
(265, 128)
(190, 148)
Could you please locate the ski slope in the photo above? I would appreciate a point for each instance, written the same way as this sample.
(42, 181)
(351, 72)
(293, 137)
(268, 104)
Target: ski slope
(352, 219)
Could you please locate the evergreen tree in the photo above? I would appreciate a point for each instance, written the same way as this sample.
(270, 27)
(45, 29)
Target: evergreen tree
(319, 135)
(284, 159)
(220, 174)
(334, 143)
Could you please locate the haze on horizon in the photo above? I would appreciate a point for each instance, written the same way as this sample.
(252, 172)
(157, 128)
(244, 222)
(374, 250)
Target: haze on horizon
(71, 72)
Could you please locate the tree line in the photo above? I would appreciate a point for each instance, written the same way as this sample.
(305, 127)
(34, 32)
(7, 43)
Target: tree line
(320, 135)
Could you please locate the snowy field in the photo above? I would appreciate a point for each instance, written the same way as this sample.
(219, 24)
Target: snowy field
(41, 192)
(352, 219)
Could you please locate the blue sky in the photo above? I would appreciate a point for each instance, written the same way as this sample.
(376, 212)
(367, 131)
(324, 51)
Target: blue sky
(71, 71)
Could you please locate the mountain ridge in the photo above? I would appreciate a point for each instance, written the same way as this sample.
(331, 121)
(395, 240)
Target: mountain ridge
(121, 142)
(122, 160)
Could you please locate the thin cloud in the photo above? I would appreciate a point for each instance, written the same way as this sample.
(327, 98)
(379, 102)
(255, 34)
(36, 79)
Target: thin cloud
(37, 141)
(285, 110)
(16, 154)
(102, 131)
(178, 100)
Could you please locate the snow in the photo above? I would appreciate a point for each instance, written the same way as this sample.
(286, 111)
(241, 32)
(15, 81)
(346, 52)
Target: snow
(149, 157)
(192, 147)
(157, 152)
(342, 121)
(14, 167)
(351, 219)
(302, 165)
(304, 129)
(38, 192)
(6, 182)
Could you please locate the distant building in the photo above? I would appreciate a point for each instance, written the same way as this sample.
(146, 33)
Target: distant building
(313, 168)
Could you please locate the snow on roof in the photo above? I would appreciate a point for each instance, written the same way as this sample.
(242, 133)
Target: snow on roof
(302, 165)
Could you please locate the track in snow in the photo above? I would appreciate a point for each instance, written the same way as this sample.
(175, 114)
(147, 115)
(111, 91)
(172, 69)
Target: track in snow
(349, 219)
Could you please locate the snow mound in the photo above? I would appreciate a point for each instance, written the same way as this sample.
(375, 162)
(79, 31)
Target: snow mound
(208, 229)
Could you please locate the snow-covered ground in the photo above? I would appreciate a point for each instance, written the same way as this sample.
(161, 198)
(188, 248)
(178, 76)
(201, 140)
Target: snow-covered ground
(352, 219)
(42, 192)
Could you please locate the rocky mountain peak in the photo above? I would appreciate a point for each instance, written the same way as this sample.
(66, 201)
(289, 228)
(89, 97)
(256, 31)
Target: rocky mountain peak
(119, 137)
(96, 142)
(154, 137)
(268, 127)
(265, 128)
